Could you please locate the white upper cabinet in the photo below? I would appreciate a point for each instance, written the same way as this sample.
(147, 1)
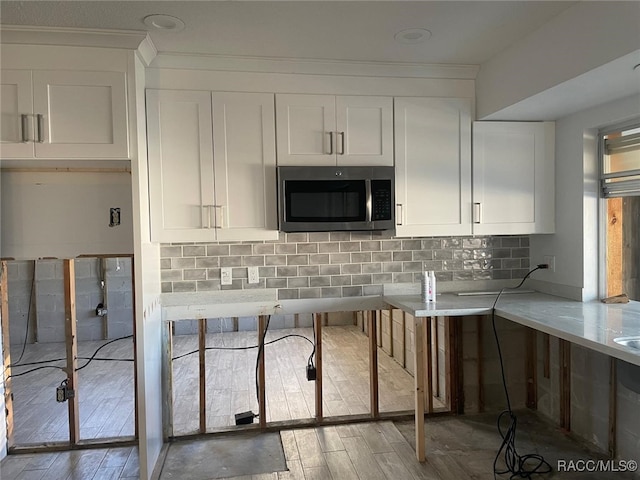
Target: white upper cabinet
(52, 114)
(513, 177)
(211, 166)
(328, 130)
(433, 166)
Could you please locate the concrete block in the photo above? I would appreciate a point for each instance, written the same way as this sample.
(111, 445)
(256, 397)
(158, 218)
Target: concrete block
(247, 324)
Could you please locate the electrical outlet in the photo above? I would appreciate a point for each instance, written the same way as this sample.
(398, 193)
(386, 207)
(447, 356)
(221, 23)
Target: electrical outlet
(225, 276)
(254, 276)
(551, 261)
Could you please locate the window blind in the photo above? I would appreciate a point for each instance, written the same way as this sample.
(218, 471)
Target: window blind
(621, 163)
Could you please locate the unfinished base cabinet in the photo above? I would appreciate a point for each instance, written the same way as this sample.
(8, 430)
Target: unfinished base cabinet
(211, 166)
(513, 178)
(433, 166)
(50, 114)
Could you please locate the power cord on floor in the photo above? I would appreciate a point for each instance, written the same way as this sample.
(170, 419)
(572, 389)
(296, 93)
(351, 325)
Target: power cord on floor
(519, 466)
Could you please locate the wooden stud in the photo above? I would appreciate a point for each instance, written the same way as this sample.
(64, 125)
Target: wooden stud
(615, 246)
(6, 351)
(167, 381)
(418, 379)
(404, 340)
(531, 368)
(71, 340)
(453, 364)
(480, 340)
(262, 398)
(436, 358)
(613, 406)
(105, 298)
(135, 351)
(296, 320)
(34, 305)
(234, 320)
(378, 318)
(390, 311)
(317, 324)
(565, 384)
(428, 366)
(373, 365)
(325, 319)
(202, 341)
(546, 355)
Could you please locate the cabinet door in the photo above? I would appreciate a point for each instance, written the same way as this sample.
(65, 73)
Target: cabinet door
(364, 130)
(245, 166)
(180, 153)
(433, 166)
(513, 177)
(84, 114)
(16, 135)
(306, 129)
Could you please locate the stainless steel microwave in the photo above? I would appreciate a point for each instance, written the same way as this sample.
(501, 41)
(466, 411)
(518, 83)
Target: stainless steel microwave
(320, 199)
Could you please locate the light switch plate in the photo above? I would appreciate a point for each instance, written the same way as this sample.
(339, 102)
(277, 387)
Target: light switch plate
(225, 276)
(254, 276)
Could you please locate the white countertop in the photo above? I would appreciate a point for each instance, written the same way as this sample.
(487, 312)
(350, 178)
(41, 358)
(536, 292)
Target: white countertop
(593, 325)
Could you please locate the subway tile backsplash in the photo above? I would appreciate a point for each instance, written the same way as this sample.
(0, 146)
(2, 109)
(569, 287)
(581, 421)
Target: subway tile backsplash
(341, 264)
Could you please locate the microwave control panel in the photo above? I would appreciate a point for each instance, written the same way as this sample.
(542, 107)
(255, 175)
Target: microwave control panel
(381, 199)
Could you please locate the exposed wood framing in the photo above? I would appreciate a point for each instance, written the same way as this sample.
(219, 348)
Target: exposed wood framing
(32, 321)
(167, 377)
(135, 349)
(202, 364)
(418, 379)
(105, 298)
(546, 355)
(403, 338)
(390, 311)
(613, 406)
(428, 370)
(296, 320)
(71, 340)
(6, 352)
(453, 364)
(565, 384)
(234, 321)
(373, 364)
(614, 246)
(480, 346)
(317, 325)
(262, 397)
(436, 358)
(531, 368)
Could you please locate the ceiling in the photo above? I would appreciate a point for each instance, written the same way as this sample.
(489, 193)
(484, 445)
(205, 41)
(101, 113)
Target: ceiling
(463, 32)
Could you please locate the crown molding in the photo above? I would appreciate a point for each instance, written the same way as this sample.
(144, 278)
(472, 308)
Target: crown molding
(312, 66)
(75, 37)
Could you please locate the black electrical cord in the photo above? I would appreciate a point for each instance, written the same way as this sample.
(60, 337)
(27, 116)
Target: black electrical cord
(313, 352)
(26, 330)
(93, 357)
(519, 466)
(35, 369)
(249, 347)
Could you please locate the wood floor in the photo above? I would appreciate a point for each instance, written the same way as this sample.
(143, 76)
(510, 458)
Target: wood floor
(231, 378)
(458, 448)
(105, 394)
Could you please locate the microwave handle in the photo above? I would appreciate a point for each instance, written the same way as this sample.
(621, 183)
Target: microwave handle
(368, 194)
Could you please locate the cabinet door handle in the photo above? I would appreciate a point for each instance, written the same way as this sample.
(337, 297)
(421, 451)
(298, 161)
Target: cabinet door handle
(477, 213)
(206, 214)
(40, 123)
(222, 211)
(24, 118)
(341, 152)
(330, 143)
(399, 214)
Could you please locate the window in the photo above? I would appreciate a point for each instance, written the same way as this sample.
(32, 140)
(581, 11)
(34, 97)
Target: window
(620, 180)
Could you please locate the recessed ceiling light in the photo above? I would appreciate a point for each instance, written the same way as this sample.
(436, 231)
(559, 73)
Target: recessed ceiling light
(412, 35)
(163, 22)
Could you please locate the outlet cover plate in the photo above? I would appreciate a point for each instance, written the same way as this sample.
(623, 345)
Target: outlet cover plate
(254, 276)
(225, 276)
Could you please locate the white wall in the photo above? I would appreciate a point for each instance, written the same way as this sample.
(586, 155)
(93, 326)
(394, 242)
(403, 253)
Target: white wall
(575, 243)
(147, 288)
(64, 214)
(583, 37)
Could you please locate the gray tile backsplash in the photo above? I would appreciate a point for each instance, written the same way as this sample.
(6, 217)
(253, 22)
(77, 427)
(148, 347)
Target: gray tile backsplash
(341, 264)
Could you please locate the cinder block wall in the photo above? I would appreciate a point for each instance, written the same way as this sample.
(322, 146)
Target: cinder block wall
(41, 299)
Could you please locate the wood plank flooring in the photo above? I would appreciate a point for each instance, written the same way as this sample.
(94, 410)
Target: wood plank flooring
(231, 378)
(458, 448)
(106, 393)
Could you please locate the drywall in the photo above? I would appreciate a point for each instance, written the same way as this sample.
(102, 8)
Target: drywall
(148, 313)
(582, 38)
(575, 243)
(64, 214)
